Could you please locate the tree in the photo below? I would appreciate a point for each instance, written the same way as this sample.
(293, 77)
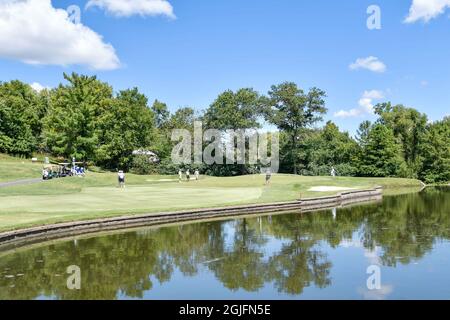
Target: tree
(124, 125)
(292, 110)
(70, 127)
(409, 128)
(381, 156)
(234, 110)
(362, 133)
(331, 148)
(239, 112)
(20, 118)
(436, 152)
(182, 119)
(161, 112)
(162, 142)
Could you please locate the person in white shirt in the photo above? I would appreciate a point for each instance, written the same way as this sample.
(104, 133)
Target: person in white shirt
(268, 176)
(180, 175)
(44, 174)
(197, 175)
(121, 177)
(333, 172)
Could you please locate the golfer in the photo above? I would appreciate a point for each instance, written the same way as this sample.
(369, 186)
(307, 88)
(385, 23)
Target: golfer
(188, 175)
(333, 172)
(121, 177)
(268, 176)
(44, 174)
(197, 174)
(180, 175)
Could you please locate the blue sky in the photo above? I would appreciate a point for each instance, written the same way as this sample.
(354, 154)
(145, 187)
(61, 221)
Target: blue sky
(212, 46)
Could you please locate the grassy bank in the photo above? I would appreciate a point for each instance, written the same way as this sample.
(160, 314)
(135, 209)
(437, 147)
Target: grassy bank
(97, 195)
(15, 168)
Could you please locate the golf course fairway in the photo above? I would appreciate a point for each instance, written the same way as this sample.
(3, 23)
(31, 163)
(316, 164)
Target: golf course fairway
(97, 195)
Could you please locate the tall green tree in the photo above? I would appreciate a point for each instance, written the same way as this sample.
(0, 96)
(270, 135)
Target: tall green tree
(362, 133)
(162, 143)
(70, 127)
(161, 112)
(234, 110)
(382, 155)
(125, 124)
(331, 148)
(183, 118)
(20, 118)
(436, 152)
(409, 128)
(292, 110)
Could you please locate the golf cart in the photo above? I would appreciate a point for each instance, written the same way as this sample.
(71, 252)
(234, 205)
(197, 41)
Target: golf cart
(63, 169)
(51, 171)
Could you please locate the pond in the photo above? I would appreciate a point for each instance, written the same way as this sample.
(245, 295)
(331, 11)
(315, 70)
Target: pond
(403, 240)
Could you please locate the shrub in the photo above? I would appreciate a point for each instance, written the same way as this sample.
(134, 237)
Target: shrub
(142, 165)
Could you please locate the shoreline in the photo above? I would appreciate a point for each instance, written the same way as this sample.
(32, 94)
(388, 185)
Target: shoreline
(60, 230)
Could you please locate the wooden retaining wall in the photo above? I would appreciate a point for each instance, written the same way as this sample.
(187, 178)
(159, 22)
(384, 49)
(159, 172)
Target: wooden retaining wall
(80, 227)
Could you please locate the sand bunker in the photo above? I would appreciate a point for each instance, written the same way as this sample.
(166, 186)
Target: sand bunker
(329, 188)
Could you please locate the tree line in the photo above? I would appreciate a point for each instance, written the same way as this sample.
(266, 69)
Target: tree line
(84, 118)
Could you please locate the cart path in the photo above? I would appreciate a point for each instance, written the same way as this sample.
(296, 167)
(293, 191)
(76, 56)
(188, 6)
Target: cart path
(19, 182)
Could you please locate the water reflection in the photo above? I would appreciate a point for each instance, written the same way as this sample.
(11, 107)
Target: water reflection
(281, 254)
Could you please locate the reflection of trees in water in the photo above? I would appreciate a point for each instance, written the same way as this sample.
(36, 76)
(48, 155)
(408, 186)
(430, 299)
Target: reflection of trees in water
(405, 227)
(298, 265)
(110, 265)
(241, 265)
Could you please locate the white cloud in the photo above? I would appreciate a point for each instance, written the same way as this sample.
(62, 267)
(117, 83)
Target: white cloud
(348, 114)
(35, 32)
(372, 255)
(426, 10)
(380, 294)
(366, 101)
(370, 63)
(127, 8)
(38, 87)
(365, 105)
(373, 94)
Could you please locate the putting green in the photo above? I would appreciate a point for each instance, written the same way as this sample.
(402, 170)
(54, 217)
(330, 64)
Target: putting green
(104, 201)
(131, 198)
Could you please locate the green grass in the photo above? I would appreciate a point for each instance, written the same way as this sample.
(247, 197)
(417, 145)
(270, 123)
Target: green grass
(97, 194)
(15, 168)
